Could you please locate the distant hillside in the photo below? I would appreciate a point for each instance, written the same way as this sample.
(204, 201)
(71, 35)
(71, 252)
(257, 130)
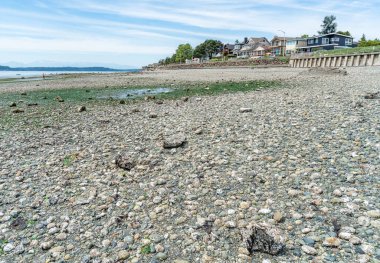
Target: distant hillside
(76, 69)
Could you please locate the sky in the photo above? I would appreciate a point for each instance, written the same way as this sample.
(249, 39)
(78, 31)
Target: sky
(131, 34)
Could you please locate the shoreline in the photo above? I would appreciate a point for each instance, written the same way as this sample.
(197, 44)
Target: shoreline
(185, 180)
(151, 78)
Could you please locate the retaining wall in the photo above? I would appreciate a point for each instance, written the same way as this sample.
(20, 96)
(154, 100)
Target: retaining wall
(358, 60)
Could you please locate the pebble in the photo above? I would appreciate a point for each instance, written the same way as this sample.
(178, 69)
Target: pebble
(278, 217)
(161, 256)
(122, 255)
(244, 110)
(331, 242)
(265, 211)
(309, 250)
(374, 213)
(8, 248)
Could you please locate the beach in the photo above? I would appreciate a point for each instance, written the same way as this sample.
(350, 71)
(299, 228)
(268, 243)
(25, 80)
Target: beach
(101, 184)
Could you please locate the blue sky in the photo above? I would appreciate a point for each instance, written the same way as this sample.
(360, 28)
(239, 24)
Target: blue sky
(122, 33)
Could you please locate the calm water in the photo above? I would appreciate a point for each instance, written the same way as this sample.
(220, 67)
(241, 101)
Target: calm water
(131, 93)
(38, 74)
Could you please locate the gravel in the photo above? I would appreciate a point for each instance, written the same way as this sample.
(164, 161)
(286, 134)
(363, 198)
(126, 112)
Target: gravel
(304, 161)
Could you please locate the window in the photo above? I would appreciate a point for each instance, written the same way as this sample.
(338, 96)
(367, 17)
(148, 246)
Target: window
(310, 41)
(348, 41)
(316, 41)
(335, 39)
(325, 41)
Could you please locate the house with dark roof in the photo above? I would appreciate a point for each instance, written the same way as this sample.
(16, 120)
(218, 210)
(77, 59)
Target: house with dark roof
(256, 46)
(228, 49)
(279, 45)
(327, 42)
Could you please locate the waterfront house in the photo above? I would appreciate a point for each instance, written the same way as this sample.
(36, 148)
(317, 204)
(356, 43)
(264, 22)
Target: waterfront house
(279, 45)
(327, 42)
(293, 44)
(228, 49)
(255, 47)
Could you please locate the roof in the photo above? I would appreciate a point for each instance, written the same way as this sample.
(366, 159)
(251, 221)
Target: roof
(257, 39)
(298, 38)
(282, 38)
(329, 35)
(250, 47)
(229, 46)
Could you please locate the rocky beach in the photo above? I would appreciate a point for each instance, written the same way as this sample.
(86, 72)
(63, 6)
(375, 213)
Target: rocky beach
(289, 173)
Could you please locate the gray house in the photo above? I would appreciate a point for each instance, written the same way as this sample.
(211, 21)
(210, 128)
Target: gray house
(327, 42)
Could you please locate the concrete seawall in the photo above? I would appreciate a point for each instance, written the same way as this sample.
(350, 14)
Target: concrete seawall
(356, 60)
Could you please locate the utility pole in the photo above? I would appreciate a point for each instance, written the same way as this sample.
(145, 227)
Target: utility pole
(283, 50)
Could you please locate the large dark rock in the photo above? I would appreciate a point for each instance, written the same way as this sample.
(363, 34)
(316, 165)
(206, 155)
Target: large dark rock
(124, 162)
(263, 238)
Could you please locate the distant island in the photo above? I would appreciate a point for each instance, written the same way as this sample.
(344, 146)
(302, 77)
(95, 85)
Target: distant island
(76, 69)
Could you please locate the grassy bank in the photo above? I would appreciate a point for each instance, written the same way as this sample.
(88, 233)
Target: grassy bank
(347, 51)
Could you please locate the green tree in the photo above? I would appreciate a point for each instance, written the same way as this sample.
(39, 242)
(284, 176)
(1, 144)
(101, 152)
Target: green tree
(207, 48)
(183, 52)
(329, 25)
(346, 33)
(173, 58)
(305, 36)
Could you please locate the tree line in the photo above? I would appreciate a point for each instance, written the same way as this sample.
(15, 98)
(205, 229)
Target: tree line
(186, 51)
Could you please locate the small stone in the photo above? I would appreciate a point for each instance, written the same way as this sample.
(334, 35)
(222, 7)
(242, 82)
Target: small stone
(124, 162)
(157, 199)
(337, 192)
(159, 248)
(243, 250)
(364, 221)
(94, 253)
(20, 249)
(59, 99)
(374, 213)
(278, 217)
(345, 236)
(153, 115)
(331, 242)
(161, 256)
(8, 248)
(174, 141)
(244, 110)
(13, 104)
(106, 243)
(57, 249)
(355, 241)
(306, 230)
(264, 211)
(230, 224)
(244, 205)
(82, 108)
(61, 236)
(122, 255)
(46, 245)
(309, 241)
(309, 250)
